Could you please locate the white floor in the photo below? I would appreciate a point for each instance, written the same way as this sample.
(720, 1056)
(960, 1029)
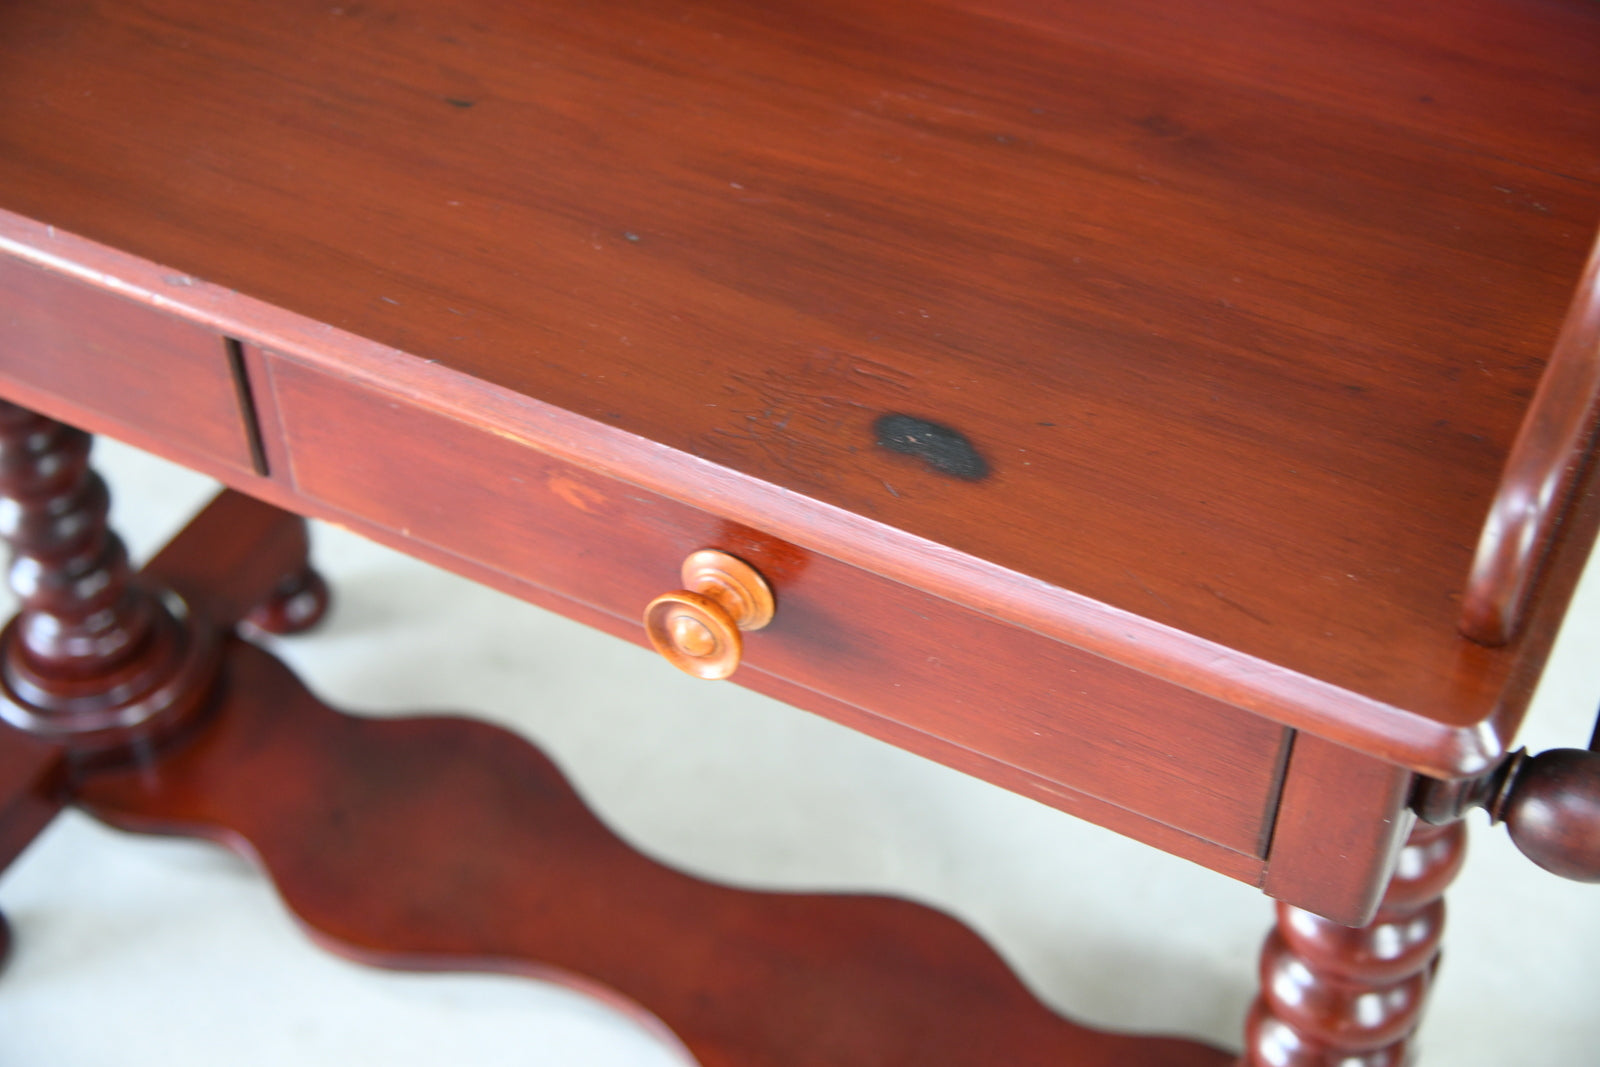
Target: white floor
(136, 951)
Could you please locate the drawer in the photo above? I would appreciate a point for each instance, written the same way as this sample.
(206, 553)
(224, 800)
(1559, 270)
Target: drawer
(1028, 703)
(169, 381)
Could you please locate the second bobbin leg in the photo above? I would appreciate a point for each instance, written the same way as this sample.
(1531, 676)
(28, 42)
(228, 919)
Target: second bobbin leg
(1339, 996)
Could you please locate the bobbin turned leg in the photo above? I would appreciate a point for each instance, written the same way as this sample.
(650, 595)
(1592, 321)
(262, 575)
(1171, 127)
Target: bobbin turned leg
(1337, 996)
(94, 666)
(95, 660)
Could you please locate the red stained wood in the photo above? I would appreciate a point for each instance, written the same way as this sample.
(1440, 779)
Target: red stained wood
(32, 780)
(1241, 310)
(297, 604)
(1341, 821)
(448, 844)
(1552, 811)
(1484, 74)
(94, 660)
(229, 559)
(1244, 866)
(937, 668)
(1540, 476)
(1333, 994)
(33, 777)
(129, 364)
(233, 557)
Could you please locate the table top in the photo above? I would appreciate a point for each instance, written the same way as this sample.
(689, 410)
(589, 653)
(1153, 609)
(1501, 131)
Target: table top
(1194, 336)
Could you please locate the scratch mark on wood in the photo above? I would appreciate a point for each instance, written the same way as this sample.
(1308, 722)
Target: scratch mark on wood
(1157, 597)
(1235, 604)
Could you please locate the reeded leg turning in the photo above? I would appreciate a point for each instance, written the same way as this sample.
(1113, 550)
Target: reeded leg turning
(1337, 996)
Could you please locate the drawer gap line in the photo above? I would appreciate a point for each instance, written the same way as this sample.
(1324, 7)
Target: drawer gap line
(247, 405)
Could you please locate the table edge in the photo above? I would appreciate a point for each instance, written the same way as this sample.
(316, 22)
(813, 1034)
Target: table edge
(1379, 728)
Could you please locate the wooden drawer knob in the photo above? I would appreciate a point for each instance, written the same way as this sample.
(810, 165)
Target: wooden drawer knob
(1552, 808)
(698, 628)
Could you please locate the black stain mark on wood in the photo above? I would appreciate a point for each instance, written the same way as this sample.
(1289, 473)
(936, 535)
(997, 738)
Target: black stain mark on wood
(456, 101)
(941, 448)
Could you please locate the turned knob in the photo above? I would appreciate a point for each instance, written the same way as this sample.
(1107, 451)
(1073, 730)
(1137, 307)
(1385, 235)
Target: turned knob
(699, 628)
(1551, 807)
(1550, 804)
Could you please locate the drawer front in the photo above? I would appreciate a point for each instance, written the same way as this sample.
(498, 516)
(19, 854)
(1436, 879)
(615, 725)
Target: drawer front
(168, 380)
(943, 670)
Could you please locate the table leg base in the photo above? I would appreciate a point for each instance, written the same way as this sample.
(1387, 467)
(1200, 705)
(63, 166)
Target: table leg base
(32, 789)
(449, 844)
(294, 607)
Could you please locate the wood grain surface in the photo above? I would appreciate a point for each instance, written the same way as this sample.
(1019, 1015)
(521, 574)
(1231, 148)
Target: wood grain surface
(1341, 821)
(132, 366)
(1541, 474)
(444, 843)
(1239, 310)
(941, 669)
